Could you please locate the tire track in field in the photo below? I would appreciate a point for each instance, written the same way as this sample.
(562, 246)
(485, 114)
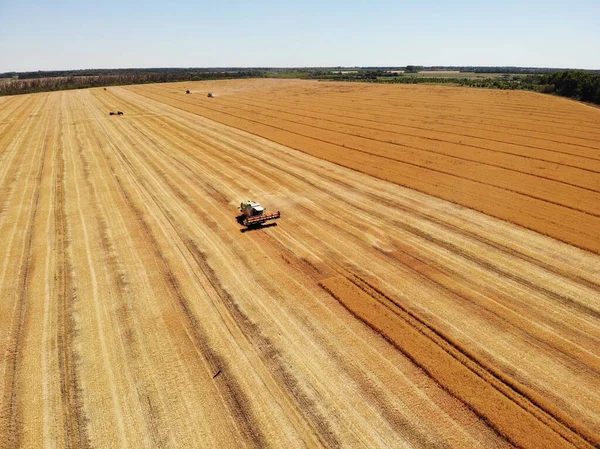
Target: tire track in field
(73, 414)
(571, 181)
(200, 258)
(387, 109)
(269, 354)
(460, 373)
(425, 135)
(251, 331)
(144, 150)
(10, 396)
(233, 396)
(444, 163)
(454, 192)
(131, 222)
(338, 233)
(23, 115)
(95, 299)
(200, 139)
(457, 110)
(117, 278)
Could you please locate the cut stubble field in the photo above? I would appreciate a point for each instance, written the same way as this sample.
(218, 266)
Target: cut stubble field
(433, 281)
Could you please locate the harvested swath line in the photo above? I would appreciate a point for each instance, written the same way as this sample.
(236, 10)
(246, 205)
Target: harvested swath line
(261, 343)
(147, 400)
(514, 417)
(133, 346)
(234, 396)
(454, 190)
(23, 112)
(482, 109)
(74, 418)
(434, 133)
(269, 353)
(12, 166)
(10, 397)
(266, 161)
(422, 105)
(421, 183)
(459, 153)
(10, 239)
(547, 412)
(417, 112)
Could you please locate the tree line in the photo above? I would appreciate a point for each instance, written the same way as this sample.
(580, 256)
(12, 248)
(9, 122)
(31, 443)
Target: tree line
(64, 81)
(577, 84)
(583, 86)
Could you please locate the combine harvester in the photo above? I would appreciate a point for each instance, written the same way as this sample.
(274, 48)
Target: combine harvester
(254, 214)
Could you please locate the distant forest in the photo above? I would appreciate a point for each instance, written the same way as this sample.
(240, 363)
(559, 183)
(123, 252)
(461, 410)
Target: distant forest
(577, 84)
(582, 85)
(31, 82)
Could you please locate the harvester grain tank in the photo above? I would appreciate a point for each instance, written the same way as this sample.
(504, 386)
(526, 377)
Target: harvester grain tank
(254, 214)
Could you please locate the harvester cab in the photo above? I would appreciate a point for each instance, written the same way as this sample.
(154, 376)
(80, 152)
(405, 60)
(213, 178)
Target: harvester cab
(254, 214)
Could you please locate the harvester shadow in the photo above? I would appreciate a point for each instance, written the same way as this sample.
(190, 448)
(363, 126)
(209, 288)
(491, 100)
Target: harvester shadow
(258, 227)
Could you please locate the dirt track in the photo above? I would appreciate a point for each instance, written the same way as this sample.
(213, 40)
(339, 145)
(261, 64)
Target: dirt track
(135, 313)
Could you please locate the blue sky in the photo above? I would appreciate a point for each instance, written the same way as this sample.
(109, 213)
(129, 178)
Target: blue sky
(49, 35)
